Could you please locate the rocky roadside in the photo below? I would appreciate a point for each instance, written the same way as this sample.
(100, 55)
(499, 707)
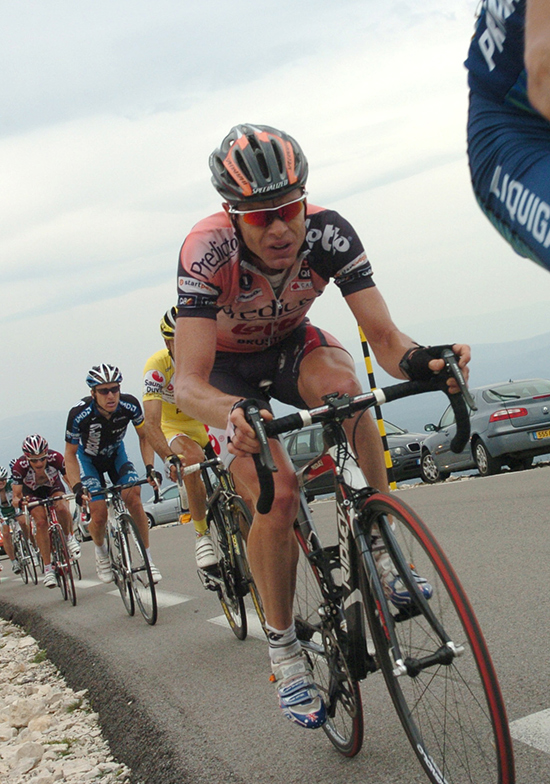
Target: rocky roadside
(48, 732)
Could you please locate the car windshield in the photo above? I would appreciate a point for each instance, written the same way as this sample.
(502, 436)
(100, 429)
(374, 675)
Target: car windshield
(515, 390)
(393, 430)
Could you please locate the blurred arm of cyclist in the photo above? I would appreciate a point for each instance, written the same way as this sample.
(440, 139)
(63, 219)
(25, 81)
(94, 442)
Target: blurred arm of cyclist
(157, 442)
(537, 54)
(148, 455)
(72, 475)
(388, 343)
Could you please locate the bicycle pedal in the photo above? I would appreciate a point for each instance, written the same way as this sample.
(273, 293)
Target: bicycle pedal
(210, 578)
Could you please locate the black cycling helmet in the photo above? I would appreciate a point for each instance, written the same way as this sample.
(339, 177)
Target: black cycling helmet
(257, 162)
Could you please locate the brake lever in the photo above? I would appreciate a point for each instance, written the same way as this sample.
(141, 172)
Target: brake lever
(454, 368)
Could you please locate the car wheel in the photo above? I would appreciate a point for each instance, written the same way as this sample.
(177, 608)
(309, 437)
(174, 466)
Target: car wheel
(150, 520)
(520, 463)
(486, 464)
(429, 471)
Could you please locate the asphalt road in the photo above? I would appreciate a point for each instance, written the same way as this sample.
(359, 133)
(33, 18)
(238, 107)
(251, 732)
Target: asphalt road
(185, 701)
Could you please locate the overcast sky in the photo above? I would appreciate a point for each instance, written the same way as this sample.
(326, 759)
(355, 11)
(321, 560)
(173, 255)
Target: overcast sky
(110, 109)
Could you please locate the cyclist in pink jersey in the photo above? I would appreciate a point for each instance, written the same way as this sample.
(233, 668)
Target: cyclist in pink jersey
(247, 277)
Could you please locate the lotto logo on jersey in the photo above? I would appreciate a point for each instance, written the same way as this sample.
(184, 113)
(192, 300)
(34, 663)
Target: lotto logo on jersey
(329, 238)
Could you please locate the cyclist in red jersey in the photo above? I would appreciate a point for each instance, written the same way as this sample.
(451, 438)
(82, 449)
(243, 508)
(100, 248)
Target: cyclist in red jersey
(38, 474)
(246, 279)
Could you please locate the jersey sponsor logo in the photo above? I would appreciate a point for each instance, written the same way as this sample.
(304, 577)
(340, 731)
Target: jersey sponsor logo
(275, 309)
(94, 438)
(245, 281)
(330, 239)
(358, 264)
(246, 297)
(217, 256)
(269, 330)
(523, 206)
(192, 286)
(300, 285)
(156, 375)
(494, 35)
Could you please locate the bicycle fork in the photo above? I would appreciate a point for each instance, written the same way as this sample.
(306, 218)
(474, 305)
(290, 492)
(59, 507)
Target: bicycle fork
(446, 653)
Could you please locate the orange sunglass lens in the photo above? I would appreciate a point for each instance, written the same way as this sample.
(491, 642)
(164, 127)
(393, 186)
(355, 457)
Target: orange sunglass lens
(262, 218)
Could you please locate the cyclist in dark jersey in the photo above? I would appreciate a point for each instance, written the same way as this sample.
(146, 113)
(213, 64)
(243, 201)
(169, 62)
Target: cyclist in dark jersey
(247, 277)
(509, 122)
(96, 427)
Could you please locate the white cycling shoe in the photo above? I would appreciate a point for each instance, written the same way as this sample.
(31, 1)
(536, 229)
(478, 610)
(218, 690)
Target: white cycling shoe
(204, 551)
(299, 697)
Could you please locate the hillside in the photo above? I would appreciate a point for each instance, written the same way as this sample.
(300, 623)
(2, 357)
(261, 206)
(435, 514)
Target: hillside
(490, 363)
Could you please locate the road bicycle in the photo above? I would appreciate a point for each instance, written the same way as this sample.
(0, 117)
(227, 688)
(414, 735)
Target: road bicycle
(128, 556)
(24, 551)
(229, 521)
(61, 561)
(430, 651)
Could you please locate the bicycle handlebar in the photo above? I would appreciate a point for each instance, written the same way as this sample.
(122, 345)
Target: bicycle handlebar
(340, 408)
(50, 500)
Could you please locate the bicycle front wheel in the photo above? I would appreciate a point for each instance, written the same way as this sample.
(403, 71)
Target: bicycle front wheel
(63, 564)
(143, 586)
(319, 628)
(225, 575)
(450, 706)
(30, 568)
(119, 553)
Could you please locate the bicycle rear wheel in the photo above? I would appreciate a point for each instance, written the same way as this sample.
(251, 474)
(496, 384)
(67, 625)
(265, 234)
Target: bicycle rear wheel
(451, 709)
(243, 519)
(63, 564)
(320, 631)
(30, 568)
(120, 563)
(225, 575)
(139, 571)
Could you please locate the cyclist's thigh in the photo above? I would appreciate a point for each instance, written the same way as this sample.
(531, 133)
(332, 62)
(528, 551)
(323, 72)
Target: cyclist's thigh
(295, 363)
(121, 470)
(182, 444)
(90, 475)
(509, 154)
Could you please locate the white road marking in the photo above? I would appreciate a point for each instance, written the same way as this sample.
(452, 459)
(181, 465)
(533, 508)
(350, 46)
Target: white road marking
(164, 598)
(533, 730)
(254, 625)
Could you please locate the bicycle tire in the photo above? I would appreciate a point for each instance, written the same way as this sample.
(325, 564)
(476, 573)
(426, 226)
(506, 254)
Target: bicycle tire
(241, 513)
(120, 564)
(140, 575)
(225, 573)
(66, 567)
(20, 555)
(56, 554)
(453, 713)
(322, 638)
(29, 562)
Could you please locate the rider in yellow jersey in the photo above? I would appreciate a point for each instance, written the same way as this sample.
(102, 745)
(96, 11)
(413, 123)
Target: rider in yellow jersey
(170, 432)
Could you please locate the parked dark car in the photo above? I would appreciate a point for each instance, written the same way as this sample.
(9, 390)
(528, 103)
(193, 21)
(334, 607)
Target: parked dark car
(510, 427)
(405, 450)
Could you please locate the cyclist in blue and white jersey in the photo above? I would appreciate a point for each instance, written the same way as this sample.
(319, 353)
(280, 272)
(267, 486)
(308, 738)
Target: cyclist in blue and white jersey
(94, 447)
(6, 512)
(509, 122)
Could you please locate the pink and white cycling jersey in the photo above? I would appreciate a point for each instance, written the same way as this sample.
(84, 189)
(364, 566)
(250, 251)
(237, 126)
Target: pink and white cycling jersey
(215, 279)
(24, 474)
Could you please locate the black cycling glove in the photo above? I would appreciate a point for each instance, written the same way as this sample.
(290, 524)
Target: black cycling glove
(152, 474)
(415, 361)
(79, 491)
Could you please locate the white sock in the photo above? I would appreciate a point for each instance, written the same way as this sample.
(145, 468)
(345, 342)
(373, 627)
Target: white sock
(102, 549)
(283, 643)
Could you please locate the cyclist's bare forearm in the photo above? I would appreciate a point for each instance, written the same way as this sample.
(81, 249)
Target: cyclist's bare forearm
(537, 54)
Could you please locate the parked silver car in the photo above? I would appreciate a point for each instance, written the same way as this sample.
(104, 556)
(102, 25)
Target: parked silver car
(167, 510)
(404, 447)
(510, 427)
